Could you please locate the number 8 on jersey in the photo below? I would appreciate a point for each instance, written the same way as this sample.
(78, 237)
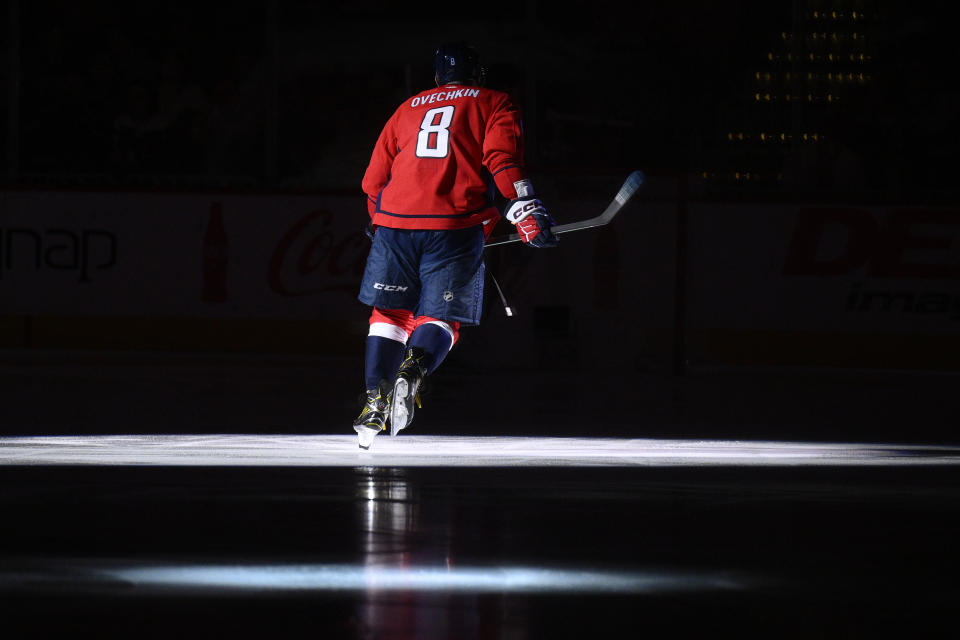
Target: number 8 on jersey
(435, 130)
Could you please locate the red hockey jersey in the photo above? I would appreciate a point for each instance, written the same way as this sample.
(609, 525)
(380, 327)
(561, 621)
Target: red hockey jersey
(426, 171)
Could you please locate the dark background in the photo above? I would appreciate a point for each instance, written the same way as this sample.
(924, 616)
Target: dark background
(290, 95)
(751, 109)
(750, 101)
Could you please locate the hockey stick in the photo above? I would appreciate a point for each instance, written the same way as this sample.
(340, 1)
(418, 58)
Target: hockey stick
(632, 184)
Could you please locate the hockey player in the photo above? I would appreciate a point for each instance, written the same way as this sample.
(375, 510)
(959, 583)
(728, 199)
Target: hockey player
(430, 208)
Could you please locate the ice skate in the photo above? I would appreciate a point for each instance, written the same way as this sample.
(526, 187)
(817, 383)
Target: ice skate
(373, 417)
(406, 390)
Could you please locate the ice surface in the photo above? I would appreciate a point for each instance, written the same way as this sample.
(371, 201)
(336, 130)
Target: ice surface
(454, 451)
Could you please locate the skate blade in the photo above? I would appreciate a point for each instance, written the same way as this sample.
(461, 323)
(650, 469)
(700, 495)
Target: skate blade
(398, 407)
(366, 435)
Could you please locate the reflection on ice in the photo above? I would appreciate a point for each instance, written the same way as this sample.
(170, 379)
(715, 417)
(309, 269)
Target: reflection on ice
(506, 579)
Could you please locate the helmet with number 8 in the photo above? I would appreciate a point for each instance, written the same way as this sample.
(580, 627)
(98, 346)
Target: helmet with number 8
(458, 62)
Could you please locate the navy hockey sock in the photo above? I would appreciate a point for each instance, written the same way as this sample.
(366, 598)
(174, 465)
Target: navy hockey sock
(435, 341)
(383, 358)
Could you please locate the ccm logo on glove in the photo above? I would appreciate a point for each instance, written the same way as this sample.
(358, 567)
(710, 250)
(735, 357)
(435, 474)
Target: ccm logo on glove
(532, 222)
(520, 209)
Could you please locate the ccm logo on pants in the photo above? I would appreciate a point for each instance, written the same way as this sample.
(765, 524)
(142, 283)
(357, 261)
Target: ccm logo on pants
(389, 287)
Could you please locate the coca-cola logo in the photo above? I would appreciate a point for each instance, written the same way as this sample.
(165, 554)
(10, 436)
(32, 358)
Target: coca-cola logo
(312, 258)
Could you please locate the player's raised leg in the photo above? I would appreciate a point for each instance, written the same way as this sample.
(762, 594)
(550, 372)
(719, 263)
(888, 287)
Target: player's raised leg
(428, 346)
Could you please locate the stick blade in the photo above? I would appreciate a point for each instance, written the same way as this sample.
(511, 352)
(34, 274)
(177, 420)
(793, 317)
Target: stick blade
(630, 186)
